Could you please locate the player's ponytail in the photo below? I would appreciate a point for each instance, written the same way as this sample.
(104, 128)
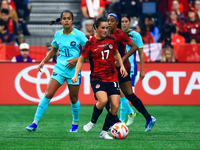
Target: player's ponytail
(58, 19)
(54, 21)
(98, 22)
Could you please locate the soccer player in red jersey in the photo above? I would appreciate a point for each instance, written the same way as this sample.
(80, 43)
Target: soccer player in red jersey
(114, 24)
(102, 52)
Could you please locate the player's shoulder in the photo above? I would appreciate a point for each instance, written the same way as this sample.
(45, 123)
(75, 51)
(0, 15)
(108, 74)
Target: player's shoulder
(134, 32)
(78, 32)
(59, 32)
(110, 37)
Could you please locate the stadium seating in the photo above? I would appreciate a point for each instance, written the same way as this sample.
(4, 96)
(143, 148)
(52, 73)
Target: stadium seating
(46, 10)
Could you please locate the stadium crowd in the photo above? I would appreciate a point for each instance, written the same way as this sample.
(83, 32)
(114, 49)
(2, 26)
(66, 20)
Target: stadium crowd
(170, 22)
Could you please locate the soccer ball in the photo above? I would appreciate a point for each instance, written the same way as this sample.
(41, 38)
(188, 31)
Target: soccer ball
(119, 130)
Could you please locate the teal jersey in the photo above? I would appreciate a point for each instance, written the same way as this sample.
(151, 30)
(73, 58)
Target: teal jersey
(70, 47)
(136, 37)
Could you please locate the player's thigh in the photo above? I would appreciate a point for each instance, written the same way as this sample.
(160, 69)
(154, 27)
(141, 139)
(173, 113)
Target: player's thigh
(52, 87)
(73, 89)
(121, 93)
(102, 98)
(73, 92)
(126, 87)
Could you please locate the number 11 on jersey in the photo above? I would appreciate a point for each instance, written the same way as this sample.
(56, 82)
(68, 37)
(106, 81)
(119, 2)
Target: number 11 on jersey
(66, 52)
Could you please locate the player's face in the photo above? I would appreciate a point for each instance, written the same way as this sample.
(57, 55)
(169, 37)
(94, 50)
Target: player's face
(125, 23)
(24, 53)
(112, 23)
(102, 30)
(66, 20)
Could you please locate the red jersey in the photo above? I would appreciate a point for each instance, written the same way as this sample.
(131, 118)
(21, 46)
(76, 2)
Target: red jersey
(100, 53)
(193, 29)
(122, 39)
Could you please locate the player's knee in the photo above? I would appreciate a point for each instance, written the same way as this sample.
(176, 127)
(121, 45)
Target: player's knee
(103, 102)
(73, 99)
(49, 95)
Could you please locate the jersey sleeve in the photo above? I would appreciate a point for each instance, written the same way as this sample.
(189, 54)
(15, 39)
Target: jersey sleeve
(139, 41)
(123, 38)
(86, 50)
(54, 42)
(83, 3)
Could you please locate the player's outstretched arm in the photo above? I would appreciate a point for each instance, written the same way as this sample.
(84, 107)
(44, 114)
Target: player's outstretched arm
(50, 55)
(141, 54)
(78, 68)
(120, 63)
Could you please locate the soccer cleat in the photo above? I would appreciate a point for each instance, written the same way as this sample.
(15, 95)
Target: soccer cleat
(32, 127)
(74, 128)
(104, 135)
(88, 126)
(150, 123)
(131, 118)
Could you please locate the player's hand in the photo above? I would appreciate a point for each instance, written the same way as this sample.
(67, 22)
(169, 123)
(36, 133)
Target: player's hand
(74, 79)
(117, 64)
(123, 71)
(70, 63)
(142, 75)
(40, 67)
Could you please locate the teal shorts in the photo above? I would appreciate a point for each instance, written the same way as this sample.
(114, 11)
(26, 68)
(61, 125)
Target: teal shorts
(61, 79)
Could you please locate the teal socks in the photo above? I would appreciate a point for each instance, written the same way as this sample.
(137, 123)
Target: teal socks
(76, 111)
(42, 107)
(124, 108)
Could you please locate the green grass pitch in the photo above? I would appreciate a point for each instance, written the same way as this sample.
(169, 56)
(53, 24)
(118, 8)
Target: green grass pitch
(177, 127)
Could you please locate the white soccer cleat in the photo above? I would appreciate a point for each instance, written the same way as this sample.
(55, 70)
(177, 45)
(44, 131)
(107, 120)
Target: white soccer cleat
(88, 126)
(104, 135)
(131, 118)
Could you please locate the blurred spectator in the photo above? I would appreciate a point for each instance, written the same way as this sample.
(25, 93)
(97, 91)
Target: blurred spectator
(12, 13)
(22, 9)
(173, 18)
(193, 40)
(168, 55)
(11, 25)
(177, 39)
(5, 36)
(149, 23)
(193, 25)
(181, 16)
(49, 47)
(23, 57)
(184, 6)
(87, 28)
(92, 8)
(12, 4)
(147, 37)
(130, 7)
(197, 6)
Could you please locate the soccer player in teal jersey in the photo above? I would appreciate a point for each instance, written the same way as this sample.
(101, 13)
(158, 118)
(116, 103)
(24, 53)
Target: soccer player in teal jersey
(69, 42)
(136, 37)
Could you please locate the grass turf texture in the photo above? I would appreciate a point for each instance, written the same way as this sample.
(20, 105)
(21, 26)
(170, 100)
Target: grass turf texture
(177, 127)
